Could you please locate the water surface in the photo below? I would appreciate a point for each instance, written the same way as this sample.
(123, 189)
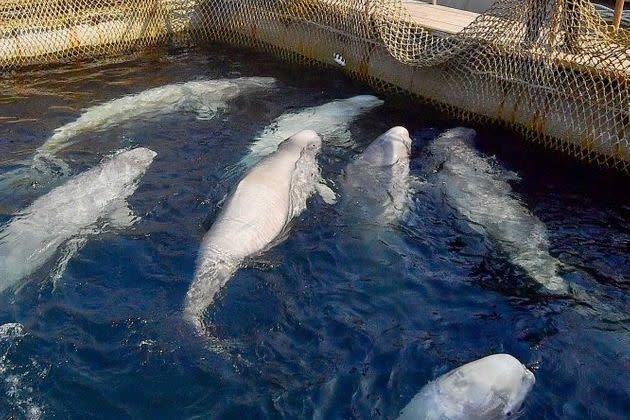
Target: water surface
(343, 319)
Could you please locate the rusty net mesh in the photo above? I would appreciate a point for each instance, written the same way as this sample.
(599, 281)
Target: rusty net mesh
(551, 68)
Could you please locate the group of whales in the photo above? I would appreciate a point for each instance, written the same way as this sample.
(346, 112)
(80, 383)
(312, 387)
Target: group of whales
(282, 173)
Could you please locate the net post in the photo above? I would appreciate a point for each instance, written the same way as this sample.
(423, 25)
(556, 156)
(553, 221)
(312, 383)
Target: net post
(617, 15)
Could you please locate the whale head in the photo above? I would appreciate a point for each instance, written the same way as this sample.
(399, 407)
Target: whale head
(362, 103)
(492, 387)
(129, 165)
(303, 141)
(140, 156)
(392, 146)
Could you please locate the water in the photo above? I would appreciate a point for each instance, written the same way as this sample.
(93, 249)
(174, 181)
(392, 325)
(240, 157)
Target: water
(341, 320)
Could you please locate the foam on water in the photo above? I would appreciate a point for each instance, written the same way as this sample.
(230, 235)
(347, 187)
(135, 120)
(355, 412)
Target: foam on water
(15, 379)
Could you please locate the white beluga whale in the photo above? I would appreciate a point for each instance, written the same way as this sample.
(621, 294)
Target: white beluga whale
(378, 179)
(331, 121)
(256, 215)
(68, 214)
(478, 190)
(202, 97)
(492, 388)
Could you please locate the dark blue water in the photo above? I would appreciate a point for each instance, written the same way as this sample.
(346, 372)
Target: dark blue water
(329, 323)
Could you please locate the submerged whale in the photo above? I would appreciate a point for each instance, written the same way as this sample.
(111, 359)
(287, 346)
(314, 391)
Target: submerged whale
(378, 179)
(330, 120)
(480, 193)
(492, 388)
(256, 215)
(203, 97)
(68, 214)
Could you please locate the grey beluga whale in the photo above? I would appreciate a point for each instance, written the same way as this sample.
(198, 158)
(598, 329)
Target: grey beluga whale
(491, 388)
(378, 179)
(330, 120)
(69, 214)
(255, 216)
(480, 193)
(202, 97)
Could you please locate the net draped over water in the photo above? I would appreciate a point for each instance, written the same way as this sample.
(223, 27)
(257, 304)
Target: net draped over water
(551, 68)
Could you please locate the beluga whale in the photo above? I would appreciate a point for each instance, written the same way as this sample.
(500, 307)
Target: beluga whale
(491, 388)
(202, 97)
(377, 180)
(67, 216)
(479, 192)
(256, 216)
(331, 121)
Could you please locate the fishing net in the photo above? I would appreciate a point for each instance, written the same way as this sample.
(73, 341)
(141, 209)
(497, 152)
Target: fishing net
(551, 68)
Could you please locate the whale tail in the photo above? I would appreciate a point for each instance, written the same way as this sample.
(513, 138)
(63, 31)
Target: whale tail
(42, 170)
(212, 274)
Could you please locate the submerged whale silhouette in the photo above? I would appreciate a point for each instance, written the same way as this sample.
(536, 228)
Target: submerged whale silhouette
(329, 120)
(480, 193)
(255, 216)
(69, 214)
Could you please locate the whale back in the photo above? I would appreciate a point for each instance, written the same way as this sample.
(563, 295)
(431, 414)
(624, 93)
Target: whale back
(255, 215)
(205, 97)
(330, 120)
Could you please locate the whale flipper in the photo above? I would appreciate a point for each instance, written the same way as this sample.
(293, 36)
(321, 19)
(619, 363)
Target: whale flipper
(71, 248)
(327, 194)
(122, 216)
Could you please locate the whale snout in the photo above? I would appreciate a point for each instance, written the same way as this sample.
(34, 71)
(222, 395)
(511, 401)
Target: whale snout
(401, 134)
(306, 139)
(140, 156)
(366, 101)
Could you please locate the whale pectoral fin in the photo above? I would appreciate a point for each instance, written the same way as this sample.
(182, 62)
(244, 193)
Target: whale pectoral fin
(73, 246)
(327, 194)
(122, 217)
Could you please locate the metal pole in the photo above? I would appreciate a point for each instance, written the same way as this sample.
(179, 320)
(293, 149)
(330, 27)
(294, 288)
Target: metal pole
(617, 15)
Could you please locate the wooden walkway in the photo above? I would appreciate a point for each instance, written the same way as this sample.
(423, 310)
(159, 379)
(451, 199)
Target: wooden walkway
(439, 18)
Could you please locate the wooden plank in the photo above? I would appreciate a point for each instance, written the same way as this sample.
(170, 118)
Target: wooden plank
(439, 18)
